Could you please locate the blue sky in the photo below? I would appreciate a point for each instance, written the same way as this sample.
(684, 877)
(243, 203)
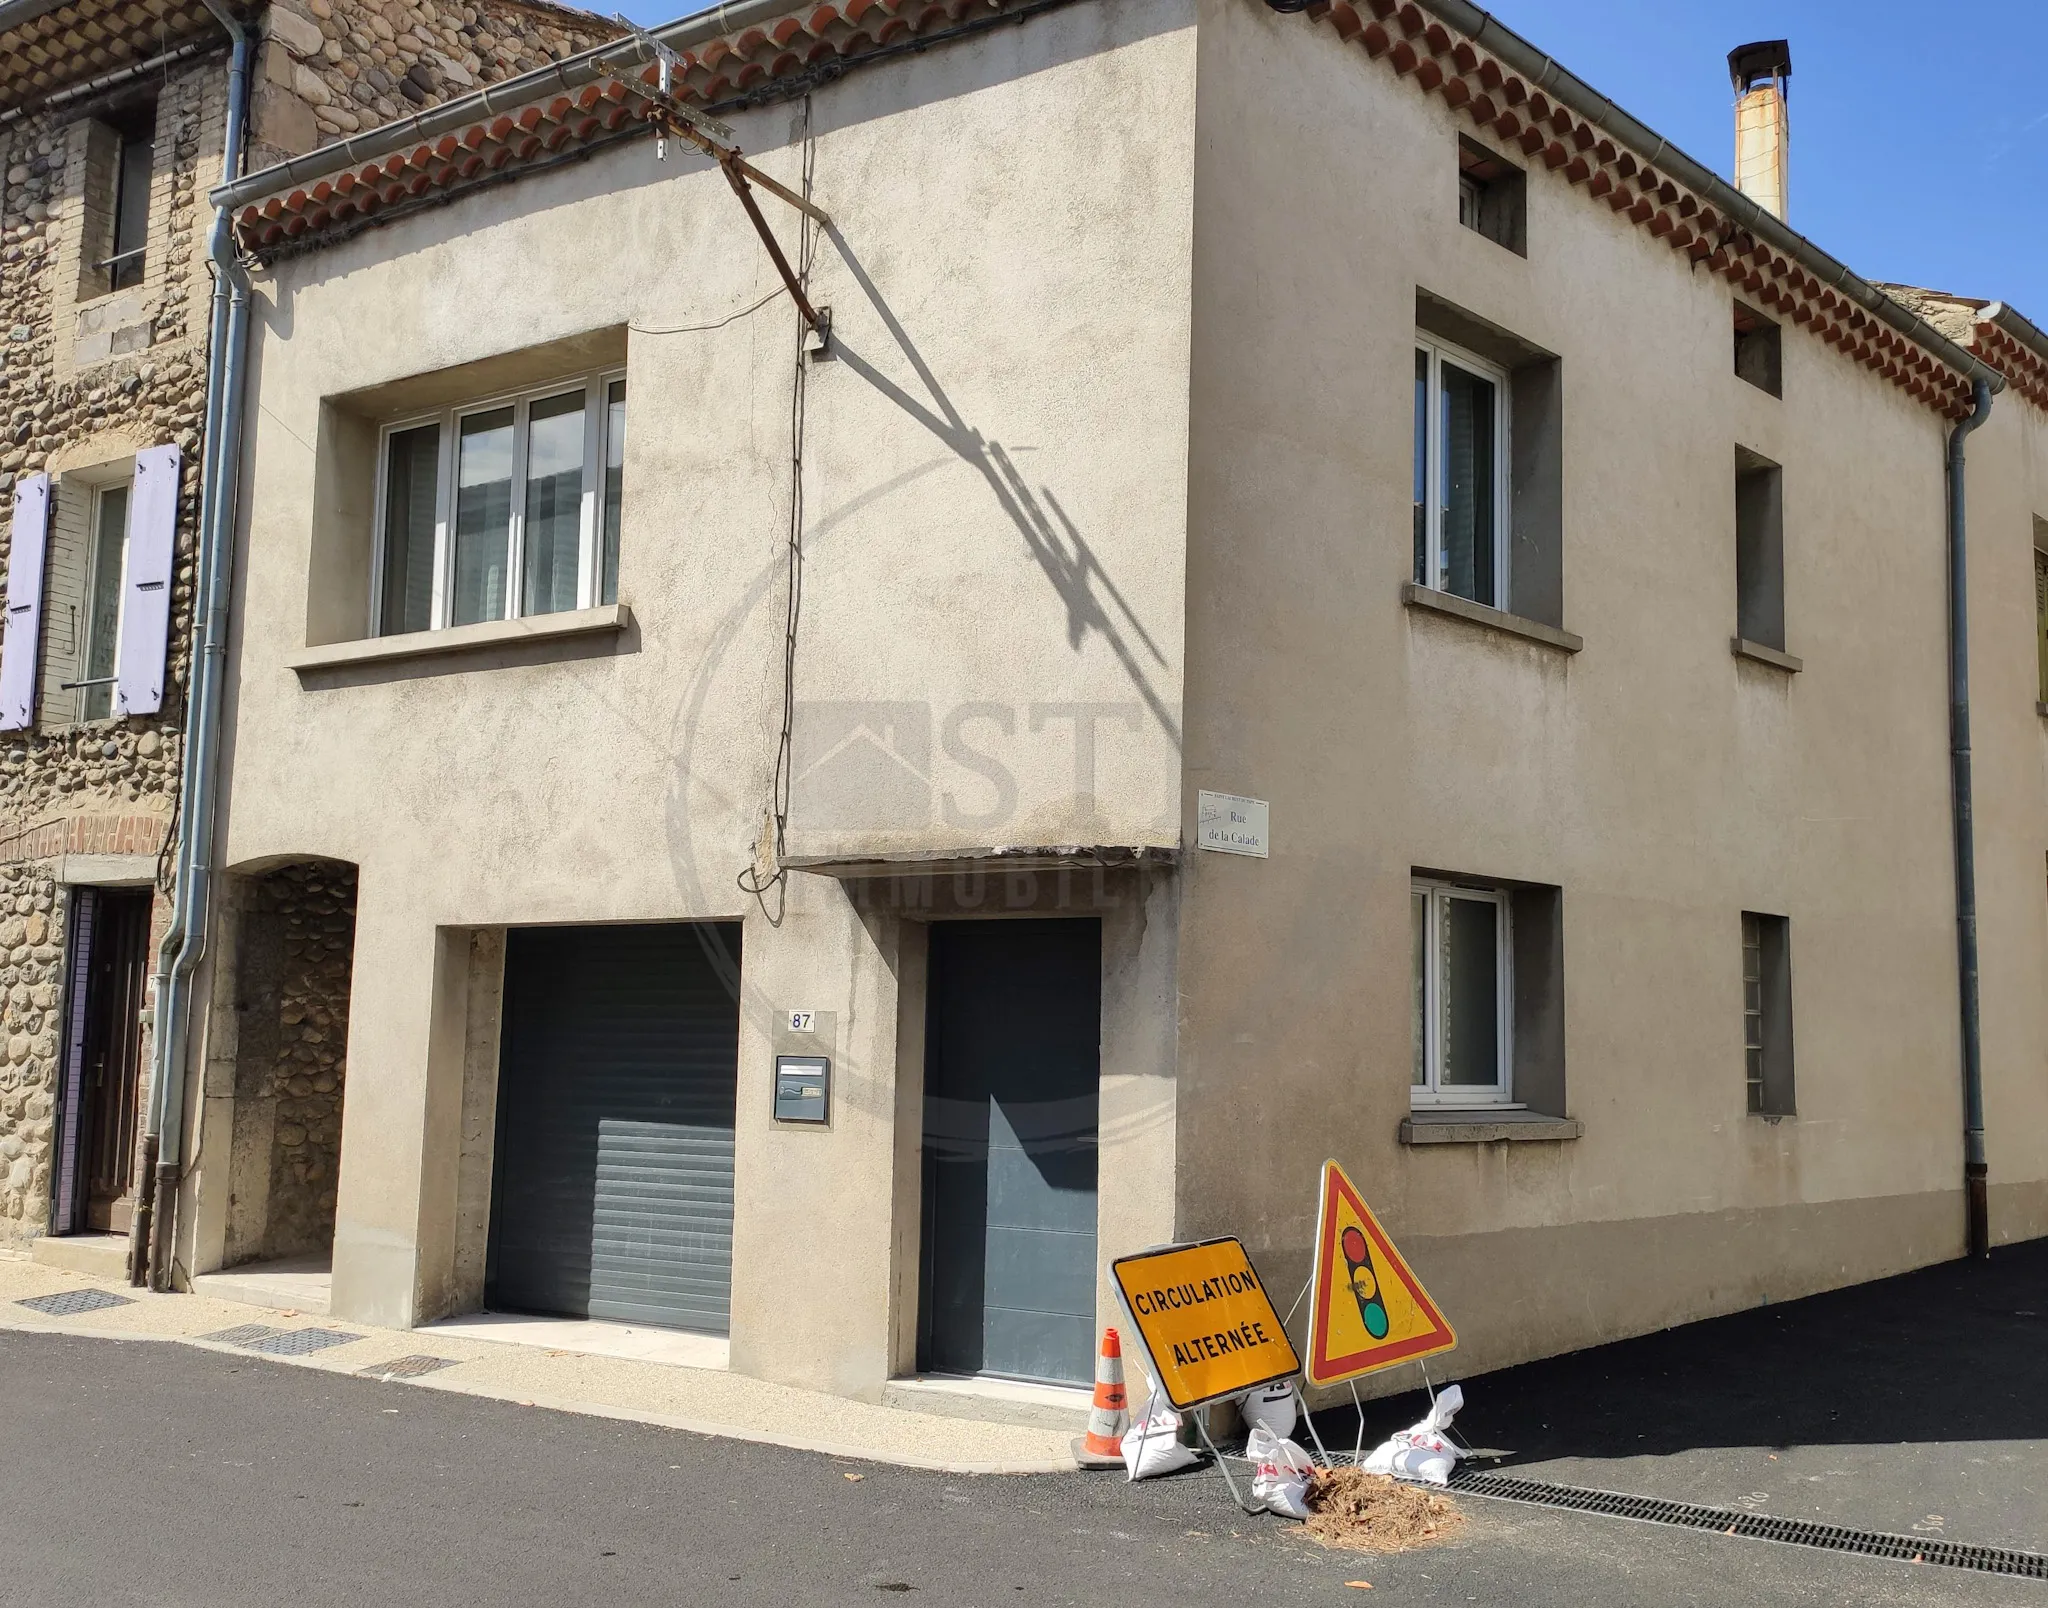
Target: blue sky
(1919, 133)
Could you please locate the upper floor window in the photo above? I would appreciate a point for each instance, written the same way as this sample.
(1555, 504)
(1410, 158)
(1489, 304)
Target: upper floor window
(1461, 478)
(501, 509)
(89, 591)
(1462, 994)
(2041, 606)
(120, 154)
(1492, 196)
(1759, 351)
(96, 621)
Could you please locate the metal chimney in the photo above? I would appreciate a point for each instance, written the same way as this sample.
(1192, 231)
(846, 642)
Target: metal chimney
(1763, 121)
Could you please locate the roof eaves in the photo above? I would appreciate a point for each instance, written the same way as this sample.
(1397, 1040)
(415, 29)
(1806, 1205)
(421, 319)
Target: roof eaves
(1489, 33)
(14, 13)
(495, 100)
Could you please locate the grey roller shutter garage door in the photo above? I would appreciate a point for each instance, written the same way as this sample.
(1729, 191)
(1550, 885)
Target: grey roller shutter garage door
(612, 1193)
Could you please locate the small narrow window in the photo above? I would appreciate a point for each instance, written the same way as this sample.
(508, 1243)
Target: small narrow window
(614, 489)
(1461, 425)
(1767, 1013)
(500, 510)
(1759, 356)
(412, 470)
(1462, 994)
(1491, 196)
(136, 158)
(106, 571)
(1759, 551)
(552, 552)
(2041, 607)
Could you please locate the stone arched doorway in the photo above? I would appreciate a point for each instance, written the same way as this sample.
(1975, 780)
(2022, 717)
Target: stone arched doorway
(292, 952)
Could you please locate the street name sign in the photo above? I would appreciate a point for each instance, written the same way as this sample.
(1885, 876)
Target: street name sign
(1367, 1309)
(1206, 1323)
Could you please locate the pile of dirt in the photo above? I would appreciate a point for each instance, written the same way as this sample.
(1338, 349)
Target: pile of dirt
(1348, 1507)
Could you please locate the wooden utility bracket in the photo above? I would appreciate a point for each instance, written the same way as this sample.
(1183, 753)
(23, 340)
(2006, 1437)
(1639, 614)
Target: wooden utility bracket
(670, 116)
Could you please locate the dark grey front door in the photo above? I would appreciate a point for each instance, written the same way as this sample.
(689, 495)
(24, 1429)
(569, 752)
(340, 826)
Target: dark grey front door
(1012, 1061)
(618, 1062)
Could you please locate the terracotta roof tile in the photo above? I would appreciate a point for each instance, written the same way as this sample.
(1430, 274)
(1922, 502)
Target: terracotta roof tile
(559, 124)
(1470, 80)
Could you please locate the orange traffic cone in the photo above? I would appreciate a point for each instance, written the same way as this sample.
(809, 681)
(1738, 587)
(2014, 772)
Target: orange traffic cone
(1102, 1446)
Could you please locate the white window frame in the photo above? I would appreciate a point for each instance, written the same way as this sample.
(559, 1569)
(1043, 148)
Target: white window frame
(1433, 1091)
(1439, 352)
(596, 387)
(83, 644)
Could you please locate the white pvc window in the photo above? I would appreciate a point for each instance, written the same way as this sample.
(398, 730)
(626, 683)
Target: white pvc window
(500, 509)
(106, 572)
(1463, 995)
(1461, 473)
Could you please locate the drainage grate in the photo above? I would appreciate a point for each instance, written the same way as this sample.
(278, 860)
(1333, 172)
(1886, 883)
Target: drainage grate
(299, 1342)
(71, 1303)
(240, 1335)
(406, 1367)
(1757, 1526)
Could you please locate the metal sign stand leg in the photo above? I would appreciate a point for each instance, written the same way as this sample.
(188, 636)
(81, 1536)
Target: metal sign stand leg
(1200, 1415)
(1358, 1452)
(1308, 1419)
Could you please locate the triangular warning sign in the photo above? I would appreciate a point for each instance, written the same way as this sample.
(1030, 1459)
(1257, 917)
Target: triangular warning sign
(1368, 1310)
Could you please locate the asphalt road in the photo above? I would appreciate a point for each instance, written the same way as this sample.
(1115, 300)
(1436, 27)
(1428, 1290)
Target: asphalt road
(152, 1473)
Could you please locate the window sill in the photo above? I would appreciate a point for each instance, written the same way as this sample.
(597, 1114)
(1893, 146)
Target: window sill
(1449, 1126)
(611, 618)
(1743, 648)
(1417, 596)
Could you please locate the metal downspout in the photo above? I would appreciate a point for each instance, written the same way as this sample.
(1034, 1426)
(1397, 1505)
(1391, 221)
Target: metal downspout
(1975, 1170)
(185, 941)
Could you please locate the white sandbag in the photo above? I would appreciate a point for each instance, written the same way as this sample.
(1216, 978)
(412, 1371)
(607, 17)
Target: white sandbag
(1280, 1471)
(1152, 1445)
(1270, 1407)
(1422, 1453)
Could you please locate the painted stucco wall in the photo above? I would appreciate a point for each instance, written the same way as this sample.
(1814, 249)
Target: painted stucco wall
(995, 472)
(1663, 784)
(2008, 491)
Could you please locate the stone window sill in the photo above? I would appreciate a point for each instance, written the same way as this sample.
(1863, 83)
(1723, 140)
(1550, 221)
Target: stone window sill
(612, 618)
(1450, 1126)
(1428, 597)
(1743, 648)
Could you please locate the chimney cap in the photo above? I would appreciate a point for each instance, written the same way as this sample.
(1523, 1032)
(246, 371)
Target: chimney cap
(1767, 58)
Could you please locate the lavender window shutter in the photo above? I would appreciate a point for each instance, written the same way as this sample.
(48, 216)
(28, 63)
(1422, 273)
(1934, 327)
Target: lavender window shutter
(146, 609)
(24, 603)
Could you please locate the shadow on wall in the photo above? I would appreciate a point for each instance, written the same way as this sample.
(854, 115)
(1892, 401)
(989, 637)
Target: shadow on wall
(1955, 1352)
(294, 948)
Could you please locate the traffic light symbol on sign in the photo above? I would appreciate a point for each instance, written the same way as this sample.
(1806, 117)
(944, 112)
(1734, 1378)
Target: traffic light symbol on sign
(1372, 1306)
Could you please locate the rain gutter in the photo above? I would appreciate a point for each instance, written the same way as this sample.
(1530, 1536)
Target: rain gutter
(150, 1248)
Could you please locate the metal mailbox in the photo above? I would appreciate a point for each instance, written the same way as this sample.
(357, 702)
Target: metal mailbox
(803, 1088)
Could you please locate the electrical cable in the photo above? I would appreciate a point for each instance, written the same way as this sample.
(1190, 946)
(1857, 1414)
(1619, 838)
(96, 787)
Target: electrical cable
(700, 329)
(751, 879)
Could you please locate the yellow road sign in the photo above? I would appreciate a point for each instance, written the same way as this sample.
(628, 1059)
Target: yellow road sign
(1368, 1310)
(1205, 1320)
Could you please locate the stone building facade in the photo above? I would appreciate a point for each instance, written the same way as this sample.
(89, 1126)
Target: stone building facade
(104, 308)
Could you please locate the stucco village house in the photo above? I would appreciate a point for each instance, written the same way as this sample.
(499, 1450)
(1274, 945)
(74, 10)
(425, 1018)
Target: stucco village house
(766, 638)
(114, 119)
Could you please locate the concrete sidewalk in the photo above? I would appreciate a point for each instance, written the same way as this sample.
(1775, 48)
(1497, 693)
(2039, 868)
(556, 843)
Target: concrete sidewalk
(702, 1400)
